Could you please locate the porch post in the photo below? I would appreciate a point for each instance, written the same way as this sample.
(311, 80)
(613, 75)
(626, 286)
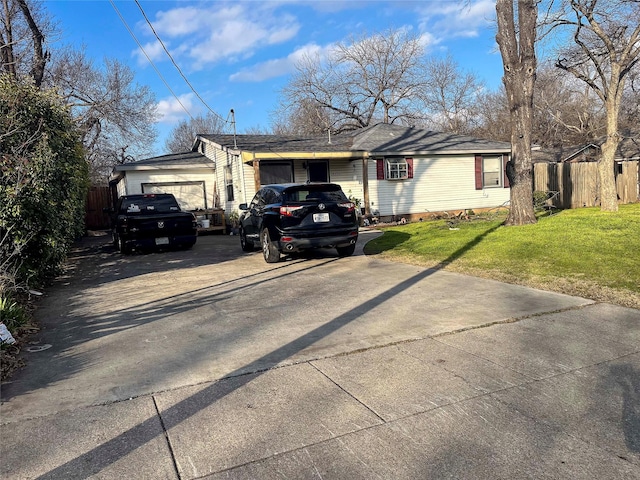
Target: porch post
(365, 184)
(256, 173)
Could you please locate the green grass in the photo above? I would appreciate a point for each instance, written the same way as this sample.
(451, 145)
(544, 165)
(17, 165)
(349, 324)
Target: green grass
(582, 251)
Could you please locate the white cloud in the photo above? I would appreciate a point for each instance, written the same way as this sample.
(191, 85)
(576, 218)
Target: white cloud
(280, 66)
(457, 20)
(170, 109)
(179, 21)
(153, 50)
(216, 32)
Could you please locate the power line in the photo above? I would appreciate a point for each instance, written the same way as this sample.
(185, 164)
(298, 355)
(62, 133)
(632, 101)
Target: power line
(149, 59)
(175, 64)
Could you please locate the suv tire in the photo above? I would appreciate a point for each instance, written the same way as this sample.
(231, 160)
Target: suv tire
(346, 251)
(269, 250)
(246, 244)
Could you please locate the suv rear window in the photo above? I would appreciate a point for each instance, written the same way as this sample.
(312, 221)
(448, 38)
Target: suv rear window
(308, 193)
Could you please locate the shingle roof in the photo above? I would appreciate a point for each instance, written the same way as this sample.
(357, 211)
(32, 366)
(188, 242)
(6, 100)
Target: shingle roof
(176, 160)
(395, 138)
(280, 143)
(377, 138)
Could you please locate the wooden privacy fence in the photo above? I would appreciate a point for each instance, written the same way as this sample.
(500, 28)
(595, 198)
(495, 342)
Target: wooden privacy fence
(98, 199)
(577, 182)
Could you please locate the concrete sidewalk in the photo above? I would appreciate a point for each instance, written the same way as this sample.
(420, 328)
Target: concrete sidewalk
(547, 387)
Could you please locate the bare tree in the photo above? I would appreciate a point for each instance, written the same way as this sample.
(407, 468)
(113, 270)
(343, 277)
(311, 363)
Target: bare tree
(22, 36)
(368, 80)
(450, 96)
(182, 136)
(566, 113)
(630, 106)
(115, 114)
(607, 48)
(257, 130)
(517, 47)
(493, 117)
(305, 117)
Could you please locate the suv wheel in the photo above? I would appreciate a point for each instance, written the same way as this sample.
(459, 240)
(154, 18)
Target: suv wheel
(247, 245)
(346, 251)
(269, 249)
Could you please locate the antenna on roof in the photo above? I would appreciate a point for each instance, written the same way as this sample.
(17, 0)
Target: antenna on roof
(329, 132)
(233, 122)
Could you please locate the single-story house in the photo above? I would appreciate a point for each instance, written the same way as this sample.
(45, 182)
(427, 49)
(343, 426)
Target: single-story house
(391, 170)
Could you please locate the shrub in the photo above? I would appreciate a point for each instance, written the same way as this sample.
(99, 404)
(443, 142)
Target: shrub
(43, 185)
(12, 314)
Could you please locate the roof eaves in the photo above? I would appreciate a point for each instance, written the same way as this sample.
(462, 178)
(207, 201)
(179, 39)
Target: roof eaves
(465, 151)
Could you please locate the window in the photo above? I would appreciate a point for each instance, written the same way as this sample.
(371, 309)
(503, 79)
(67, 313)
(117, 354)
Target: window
(318, 171)
(276, 172)
(228, 180)
(490, 172)
(394, 168)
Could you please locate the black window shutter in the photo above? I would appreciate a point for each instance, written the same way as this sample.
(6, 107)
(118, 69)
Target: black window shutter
(478, 172)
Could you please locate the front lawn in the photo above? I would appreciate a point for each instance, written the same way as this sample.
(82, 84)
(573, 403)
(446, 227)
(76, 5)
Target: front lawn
(581, 252)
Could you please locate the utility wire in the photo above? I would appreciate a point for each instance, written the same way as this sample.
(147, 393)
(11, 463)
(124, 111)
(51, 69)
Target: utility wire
(149, 59)
(176, 65)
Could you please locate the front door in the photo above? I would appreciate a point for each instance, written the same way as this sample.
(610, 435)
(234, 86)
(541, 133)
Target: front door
(318, 171)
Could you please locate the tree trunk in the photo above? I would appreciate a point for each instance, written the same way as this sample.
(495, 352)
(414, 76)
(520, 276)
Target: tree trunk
(39, 57)
(606, 163)
(517, 47)
(6, 44)
(606, 174)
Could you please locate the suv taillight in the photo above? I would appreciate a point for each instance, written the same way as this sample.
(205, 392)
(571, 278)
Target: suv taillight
(350, 206)
(290, 210)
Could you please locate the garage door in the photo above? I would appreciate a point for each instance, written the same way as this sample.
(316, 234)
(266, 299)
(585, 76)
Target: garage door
(190, 195)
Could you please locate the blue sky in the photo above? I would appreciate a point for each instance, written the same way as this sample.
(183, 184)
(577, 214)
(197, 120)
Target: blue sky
(238, 55)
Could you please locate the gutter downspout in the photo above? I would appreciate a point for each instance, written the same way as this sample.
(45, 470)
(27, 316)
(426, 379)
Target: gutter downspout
(256, 172)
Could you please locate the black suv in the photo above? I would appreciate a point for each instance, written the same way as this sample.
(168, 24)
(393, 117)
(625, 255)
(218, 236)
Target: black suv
(294, 217)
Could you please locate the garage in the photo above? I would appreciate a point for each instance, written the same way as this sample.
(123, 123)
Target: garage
(189, 176)
(190, 195)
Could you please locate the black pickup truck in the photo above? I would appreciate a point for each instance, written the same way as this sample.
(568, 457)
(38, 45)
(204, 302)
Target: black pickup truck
(150, 221)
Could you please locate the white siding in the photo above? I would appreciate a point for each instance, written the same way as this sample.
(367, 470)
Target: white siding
(121, 187)
(439, 183)
(348, 174)
(242, 175)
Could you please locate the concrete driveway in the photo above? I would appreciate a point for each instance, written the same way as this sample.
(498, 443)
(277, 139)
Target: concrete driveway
(212, 362)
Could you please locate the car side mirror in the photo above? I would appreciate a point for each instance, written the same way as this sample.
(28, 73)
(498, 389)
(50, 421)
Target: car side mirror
(243, 206)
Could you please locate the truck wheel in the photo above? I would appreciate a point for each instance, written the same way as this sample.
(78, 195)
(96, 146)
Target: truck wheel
(123, 247)
(269, 249)
(245, 243)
